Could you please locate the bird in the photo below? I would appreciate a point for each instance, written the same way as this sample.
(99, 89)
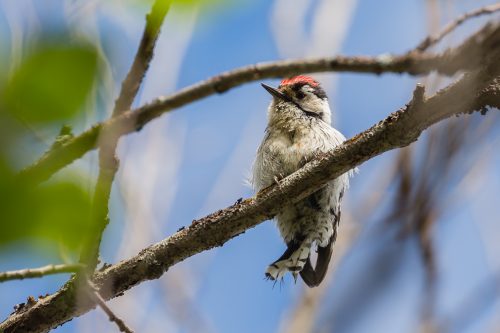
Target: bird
(299, 128)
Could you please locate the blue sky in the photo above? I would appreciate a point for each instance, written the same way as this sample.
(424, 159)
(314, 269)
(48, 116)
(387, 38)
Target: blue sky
(194, 161)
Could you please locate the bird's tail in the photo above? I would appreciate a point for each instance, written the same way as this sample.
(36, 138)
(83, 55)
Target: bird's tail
(313, 276)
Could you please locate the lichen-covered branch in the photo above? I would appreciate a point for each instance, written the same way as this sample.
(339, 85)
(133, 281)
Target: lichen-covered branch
(468, 56)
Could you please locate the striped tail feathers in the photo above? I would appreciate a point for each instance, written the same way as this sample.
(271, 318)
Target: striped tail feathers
(313, 276)
(296, 260)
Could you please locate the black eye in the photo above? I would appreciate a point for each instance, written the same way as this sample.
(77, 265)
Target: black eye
(300, 95)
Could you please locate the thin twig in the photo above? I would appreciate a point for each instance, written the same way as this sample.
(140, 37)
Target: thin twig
(449, 63)
(143, 56)
(432, 40)
(94, 294)
(29, 273)
(108, 140)
(398, 130)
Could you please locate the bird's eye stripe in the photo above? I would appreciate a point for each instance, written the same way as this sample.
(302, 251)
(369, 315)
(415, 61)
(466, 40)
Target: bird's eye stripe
(298, 86)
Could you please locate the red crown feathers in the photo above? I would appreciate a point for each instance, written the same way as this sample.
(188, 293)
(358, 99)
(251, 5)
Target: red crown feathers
(300, 79)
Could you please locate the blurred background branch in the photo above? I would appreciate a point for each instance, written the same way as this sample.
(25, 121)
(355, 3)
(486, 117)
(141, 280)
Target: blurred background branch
(108, 140)
(434, 39)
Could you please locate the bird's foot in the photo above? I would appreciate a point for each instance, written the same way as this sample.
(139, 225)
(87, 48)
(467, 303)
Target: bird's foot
(293, 263)
(277, 178)
(276, 271)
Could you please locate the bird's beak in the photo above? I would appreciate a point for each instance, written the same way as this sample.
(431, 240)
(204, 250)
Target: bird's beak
(275, 92)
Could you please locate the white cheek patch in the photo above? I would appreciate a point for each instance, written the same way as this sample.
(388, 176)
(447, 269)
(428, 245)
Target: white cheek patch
(307, 90)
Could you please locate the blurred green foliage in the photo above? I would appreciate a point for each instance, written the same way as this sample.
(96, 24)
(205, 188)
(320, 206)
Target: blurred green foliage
(56, 211)
(49, 87)
(204, 5)
(51, 84)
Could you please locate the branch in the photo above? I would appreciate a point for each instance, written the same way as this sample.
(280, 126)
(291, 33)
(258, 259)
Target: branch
(108, 140)
(432, 40)
(102, 304)
(469, 94)
(29, 273)
(145, 52)
(466, 57)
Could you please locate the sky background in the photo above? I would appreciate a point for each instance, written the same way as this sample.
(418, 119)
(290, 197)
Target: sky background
(196, 160)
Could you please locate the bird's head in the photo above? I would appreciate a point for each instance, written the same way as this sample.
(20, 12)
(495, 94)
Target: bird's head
(302, 94)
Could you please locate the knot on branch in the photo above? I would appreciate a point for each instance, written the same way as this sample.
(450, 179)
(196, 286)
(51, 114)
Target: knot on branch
(218, 85)
(418, 98)
(489, 96)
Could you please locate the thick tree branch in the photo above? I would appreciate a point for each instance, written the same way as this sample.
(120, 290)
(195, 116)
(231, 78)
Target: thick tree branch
(40, 272)
(108, 140)
(466, 57)
(469, 94)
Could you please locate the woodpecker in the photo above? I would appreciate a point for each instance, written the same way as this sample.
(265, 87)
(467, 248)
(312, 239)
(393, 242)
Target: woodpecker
(298, 130)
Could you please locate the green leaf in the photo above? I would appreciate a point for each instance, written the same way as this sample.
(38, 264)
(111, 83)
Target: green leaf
(51, 84)
(58, 212)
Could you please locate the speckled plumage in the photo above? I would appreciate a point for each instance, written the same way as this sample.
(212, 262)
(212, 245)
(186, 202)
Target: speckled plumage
(298, 129)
